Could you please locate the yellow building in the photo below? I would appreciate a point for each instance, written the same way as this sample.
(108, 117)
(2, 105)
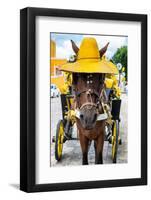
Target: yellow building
(56, 76)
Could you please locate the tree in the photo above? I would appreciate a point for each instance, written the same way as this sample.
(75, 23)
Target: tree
(120, 56)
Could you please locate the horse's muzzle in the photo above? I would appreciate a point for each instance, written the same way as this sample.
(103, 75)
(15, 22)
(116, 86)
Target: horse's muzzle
(88, 118)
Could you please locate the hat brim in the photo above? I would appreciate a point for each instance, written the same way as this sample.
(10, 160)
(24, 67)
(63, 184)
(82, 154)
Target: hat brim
(90, 66)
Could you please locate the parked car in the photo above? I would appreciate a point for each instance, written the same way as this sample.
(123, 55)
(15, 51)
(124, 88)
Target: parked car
(54, 91)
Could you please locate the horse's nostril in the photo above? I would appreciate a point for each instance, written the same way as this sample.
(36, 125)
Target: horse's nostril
(81, 116)
(95, 116)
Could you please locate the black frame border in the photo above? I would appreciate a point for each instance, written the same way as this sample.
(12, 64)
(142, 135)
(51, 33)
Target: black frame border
(27, 99)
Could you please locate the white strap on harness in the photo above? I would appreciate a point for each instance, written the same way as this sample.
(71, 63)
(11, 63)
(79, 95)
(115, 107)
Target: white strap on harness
(100, 117)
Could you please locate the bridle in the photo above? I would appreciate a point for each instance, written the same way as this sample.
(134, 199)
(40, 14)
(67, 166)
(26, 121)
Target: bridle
(100, 116)
(89, 92)
(89, 104)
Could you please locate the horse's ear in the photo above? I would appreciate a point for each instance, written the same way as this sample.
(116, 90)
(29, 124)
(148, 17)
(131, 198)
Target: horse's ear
(74, 47)
(103, 50)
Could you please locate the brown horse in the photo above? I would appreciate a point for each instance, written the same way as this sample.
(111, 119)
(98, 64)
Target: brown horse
(88, 88)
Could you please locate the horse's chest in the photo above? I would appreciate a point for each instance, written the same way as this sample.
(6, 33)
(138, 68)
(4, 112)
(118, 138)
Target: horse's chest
(92, 134)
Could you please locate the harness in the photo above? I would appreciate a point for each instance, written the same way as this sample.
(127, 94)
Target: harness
(90, 104)
(89, 93)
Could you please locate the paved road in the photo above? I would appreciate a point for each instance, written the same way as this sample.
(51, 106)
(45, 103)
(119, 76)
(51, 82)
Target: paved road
(71, 149)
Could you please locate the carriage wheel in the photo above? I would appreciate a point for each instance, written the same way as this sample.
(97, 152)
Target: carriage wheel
(59, 140)
(115, 134)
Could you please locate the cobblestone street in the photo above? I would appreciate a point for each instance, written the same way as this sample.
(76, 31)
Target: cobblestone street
(71, 149)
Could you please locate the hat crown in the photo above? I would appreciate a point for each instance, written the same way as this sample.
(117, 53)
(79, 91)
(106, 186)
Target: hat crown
(88, 49)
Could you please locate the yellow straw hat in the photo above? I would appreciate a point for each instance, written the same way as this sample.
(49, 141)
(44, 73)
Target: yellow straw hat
(89, 59)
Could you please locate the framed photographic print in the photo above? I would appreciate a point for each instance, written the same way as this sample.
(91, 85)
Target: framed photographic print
(83, 99)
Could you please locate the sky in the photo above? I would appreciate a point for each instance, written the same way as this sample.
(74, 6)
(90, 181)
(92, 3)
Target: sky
(64, 48)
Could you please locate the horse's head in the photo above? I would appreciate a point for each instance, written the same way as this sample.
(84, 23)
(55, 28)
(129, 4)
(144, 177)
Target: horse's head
(87, 91)
(88, 86)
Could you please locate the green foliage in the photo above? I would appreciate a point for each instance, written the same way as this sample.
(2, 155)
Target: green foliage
(120, 56)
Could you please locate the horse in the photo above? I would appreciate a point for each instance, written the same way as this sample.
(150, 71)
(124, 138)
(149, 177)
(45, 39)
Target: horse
(88, 89)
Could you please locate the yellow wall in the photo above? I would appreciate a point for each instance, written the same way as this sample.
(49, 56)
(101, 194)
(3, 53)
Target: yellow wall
(56, 62)
(52, 49)
(58, 80)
